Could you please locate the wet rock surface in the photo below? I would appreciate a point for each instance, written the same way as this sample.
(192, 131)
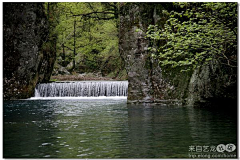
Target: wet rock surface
(25, 31)
(133, 47)
(146, 83)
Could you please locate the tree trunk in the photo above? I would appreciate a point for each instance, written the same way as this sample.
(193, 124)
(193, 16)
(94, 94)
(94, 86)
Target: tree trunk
(74, 45)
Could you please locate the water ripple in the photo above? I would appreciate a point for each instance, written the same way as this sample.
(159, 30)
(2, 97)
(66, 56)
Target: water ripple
(110, 129)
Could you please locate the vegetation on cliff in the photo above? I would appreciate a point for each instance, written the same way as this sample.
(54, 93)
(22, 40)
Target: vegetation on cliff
(191, 51)
(196, 33)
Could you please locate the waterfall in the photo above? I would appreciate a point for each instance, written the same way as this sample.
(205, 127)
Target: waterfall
(36, 93)
(82, 89)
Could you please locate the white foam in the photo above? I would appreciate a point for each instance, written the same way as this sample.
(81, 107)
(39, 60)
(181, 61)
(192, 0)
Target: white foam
(73, 98)
(82, 89)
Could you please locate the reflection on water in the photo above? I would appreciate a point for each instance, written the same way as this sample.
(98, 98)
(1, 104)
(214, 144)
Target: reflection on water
(110, 129)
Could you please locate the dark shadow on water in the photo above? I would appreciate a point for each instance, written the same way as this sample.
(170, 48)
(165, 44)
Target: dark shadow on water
(26, 129)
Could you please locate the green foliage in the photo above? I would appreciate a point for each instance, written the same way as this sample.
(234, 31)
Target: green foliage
(195, 34)
(92, 40)
(53, 80)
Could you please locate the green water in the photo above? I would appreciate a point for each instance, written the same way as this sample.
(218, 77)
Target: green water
(111, 129)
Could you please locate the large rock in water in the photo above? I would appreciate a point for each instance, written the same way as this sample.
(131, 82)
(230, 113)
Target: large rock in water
(144, 75)
(133, 48)
(25, 32)
(150, 83)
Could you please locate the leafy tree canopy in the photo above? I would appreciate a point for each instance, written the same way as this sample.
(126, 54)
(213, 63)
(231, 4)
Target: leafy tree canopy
(87, 35)
(195, 33)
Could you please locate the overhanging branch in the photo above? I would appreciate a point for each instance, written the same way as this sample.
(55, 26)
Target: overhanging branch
(88, 14)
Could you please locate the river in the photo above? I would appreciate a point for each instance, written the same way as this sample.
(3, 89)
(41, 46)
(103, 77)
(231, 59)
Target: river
(108, 128)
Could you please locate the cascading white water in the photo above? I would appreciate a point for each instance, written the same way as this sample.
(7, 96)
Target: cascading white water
(82, 89)
(36, 93)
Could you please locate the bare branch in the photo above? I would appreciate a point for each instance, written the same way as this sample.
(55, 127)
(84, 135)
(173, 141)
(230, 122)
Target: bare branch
(88, 14)
(67, 47)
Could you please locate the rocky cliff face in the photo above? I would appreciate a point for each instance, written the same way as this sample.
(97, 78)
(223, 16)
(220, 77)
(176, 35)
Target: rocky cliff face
(26, 61)
(150, 83)
(146, 83)
(213, 84)
(133, 47)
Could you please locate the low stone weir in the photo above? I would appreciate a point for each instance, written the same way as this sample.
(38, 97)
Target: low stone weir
(82, 89)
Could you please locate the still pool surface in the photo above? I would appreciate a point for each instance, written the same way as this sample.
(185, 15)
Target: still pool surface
(112, 129)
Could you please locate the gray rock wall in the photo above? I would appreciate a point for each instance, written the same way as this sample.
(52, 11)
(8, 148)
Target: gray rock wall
(133, 47)
(146, 83)
(213, 84)
(25, 61)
